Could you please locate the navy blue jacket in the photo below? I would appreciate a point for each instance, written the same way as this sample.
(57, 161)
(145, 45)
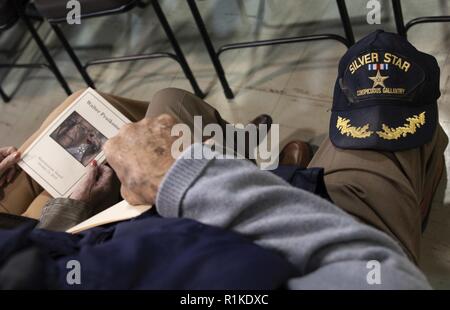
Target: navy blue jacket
(148, 252)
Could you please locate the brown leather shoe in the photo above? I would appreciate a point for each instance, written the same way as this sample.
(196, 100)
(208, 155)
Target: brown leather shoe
(262, 119)
(296, 153)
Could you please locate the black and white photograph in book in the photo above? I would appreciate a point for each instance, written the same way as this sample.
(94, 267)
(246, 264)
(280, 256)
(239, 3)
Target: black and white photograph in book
(79, 138)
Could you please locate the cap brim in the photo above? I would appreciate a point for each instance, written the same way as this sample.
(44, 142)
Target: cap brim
(406, 127)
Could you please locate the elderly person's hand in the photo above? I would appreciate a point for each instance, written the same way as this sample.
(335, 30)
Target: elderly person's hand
(9, 157)
(99, 189)
(141, 156)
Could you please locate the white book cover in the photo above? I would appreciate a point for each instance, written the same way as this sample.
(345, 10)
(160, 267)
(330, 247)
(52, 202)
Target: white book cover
(58, 158)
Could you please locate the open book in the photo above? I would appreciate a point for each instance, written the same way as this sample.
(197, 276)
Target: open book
(57, 159)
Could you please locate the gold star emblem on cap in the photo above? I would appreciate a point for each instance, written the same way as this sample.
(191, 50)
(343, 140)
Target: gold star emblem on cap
(378, 79)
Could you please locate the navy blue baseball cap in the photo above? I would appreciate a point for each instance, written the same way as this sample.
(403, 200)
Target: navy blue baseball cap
(385, 97)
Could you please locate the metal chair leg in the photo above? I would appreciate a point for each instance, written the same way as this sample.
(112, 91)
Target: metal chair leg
(4, 96)
(176, 47)
(142, 4)
(50, 61)
(72, 55)
(427, 20)
(346, 21)
(399, 21)
(211, 50)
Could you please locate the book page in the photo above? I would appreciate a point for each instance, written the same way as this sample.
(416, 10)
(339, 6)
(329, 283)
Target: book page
(57, 159)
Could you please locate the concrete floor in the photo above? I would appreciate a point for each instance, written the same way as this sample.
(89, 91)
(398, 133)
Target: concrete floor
(293, 83)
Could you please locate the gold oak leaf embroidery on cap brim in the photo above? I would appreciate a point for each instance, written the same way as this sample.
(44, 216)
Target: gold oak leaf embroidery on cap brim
(347, 129)
(410, 127)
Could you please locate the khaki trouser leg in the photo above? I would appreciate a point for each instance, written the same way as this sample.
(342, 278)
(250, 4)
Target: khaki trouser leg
(385, 189)
(183, 106)
(26, 197)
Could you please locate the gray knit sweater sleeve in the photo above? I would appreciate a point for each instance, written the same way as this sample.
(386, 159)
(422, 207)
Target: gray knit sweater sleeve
(329, 248)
